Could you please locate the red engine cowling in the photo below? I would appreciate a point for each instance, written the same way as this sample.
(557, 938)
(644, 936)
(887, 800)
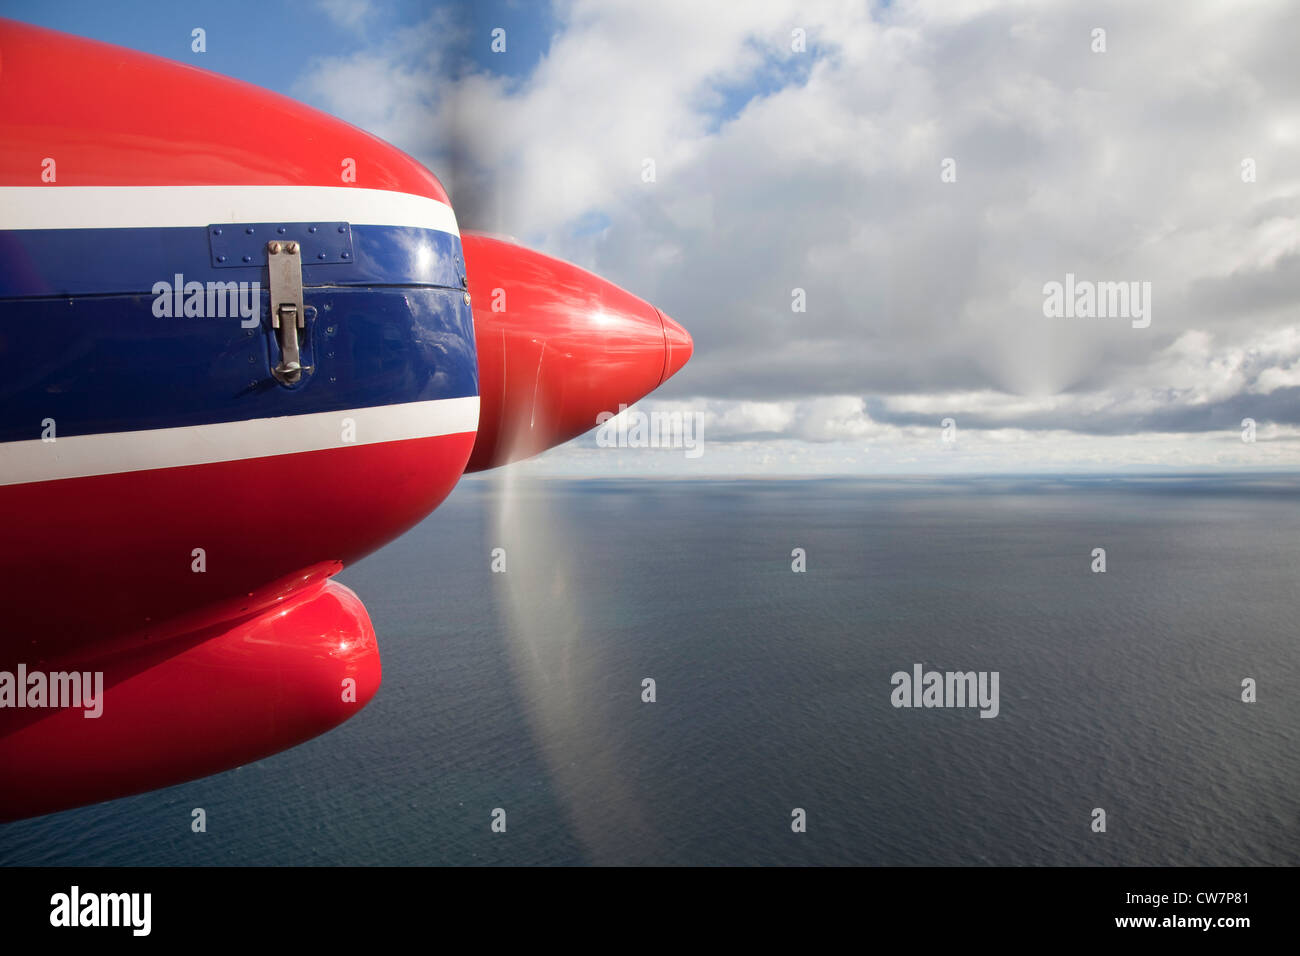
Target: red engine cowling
(197, 672)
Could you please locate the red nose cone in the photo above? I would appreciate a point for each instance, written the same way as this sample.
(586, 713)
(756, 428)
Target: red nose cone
(678, 347)
(559, 349)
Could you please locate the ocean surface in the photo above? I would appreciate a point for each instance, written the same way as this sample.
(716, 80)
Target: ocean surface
(523, 690)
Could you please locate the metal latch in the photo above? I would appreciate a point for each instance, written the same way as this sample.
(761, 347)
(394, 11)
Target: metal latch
(284, 264)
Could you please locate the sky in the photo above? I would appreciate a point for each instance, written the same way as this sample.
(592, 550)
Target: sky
(916, 175)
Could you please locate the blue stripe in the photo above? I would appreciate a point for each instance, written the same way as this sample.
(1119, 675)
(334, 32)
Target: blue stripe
(107, 364)
(45, 262)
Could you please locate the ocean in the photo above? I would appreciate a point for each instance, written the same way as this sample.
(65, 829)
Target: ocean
(518, 696)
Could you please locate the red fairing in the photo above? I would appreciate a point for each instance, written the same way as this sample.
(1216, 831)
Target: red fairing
(220, 700)
(116, 117)
(107, 563)
(201, 671)
(557, 346)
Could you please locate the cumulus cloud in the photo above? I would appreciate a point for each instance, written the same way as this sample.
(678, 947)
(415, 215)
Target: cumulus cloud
(821, 170)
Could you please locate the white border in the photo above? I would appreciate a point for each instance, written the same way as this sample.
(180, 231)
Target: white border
(83, 456)
(137, 207)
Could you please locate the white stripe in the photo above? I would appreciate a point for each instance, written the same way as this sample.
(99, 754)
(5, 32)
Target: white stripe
(127, 207)
(80, 456)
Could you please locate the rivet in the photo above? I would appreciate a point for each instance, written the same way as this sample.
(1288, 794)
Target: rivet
(311, 228)
(343, 255)
(216, 232)
(280, 230)
(320, 255)
(467, 298)
(249, 230)
(221, 258)
(343, 228)
(248, 258)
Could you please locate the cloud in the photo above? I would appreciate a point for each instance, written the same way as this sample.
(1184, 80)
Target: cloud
(348, 14)
(396, 85)
(821, 170)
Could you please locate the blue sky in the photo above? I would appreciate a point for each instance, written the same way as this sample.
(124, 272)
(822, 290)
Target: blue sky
(270, 43)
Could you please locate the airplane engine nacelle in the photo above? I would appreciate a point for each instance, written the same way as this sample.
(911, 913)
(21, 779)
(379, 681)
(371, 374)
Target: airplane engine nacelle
(229, 368)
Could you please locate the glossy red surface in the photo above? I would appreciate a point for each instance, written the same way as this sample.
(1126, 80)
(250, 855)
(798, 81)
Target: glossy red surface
(109, 116)
(108, 564)
(204, 671)
(197, 704)
(678, 347)
(557, 345)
